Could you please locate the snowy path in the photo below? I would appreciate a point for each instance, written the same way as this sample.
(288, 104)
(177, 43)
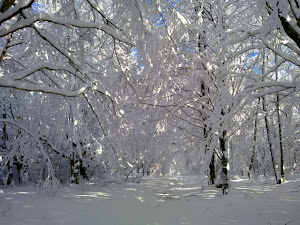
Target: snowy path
(177, 200)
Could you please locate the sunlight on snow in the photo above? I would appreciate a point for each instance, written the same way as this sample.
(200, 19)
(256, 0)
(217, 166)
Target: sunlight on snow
(140, 199)
(28, 206)
(130, 189)
(22, 193)
(94, 195)
(186, 189)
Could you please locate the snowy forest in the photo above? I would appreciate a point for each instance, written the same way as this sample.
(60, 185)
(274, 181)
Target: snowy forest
(133, 88)
(150, 90)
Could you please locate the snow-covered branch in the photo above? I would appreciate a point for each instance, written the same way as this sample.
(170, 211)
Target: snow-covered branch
(65, 22)
(30, 87)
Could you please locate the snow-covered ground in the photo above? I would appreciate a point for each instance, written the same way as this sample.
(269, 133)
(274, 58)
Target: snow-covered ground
(153, 201)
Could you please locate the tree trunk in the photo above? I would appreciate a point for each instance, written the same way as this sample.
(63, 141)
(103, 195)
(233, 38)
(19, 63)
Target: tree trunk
(212, 171)
(279, 131)
(72, 168)
(267, 124)
(75, 165)
(10, 175)
(5, 137)
(77, 170)
(83, 170)
(280, 140)
(251, 167)
(295, 161)
(269, 138)
(224, 161)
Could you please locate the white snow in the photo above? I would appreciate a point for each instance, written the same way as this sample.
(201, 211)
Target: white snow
(153, 201)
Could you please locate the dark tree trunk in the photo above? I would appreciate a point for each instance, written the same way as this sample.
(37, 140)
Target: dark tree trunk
(5, 137)
(77, 170)
(269, 139)
(18, 165)
(212, 171)
(83, 170)
(72, 168)
(279, 131)
(267, 124)
(280, 140)
(224, 161)
(295, 161)
(251, 166)
(75, 165)
(10, 175)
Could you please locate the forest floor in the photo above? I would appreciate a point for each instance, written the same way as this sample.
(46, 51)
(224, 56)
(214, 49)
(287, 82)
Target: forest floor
(154, 201)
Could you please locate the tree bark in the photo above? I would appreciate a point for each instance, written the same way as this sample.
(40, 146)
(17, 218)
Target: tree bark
(212, 171)
(251, 167)
(280, 139)
(269, 138)
(10, 175)
(279, 131)
(77, 170)
(267, 124)
(224, 161)
(75, 166)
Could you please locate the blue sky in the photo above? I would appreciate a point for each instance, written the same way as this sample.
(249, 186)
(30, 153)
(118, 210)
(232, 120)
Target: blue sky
(250, 58)
(39, 8)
